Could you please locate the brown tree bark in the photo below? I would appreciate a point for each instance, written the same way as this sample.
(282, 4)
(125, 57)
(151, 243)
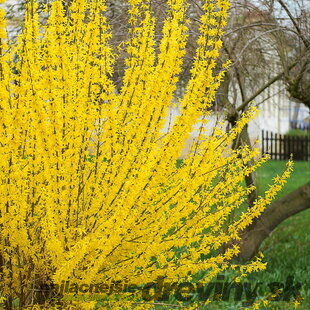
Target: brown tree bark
(276, 213)
(241, 140)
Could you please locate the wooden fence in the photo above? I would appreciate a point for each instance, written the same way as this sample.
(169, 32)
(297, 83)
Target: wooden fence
(280, 147)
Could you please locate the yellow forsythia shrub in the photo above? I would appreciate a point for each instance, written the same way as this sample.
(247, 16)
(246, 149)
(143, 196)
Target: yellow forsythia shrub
(89, 188)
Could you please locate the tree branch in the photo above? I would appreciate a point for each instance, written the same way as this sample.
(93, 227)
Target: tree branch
(304, 40)
(269, 83)
(275, 214)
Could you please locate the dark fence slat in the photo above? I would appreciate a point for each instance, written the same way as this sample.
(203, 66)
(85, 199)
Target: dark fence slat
(271, 145)
(276, 146)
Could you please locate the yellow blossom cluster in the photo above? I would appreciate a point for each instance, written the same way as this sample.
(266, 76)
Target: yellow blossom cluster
(89, 187)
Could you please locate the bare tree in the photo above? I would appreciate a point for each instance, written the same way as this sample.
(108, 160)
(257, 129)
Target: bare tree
(267, 34)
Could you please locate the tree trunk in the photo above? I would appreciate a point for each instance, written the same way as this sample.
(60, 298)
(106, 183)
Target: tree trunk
(276, 213)
(242, 140)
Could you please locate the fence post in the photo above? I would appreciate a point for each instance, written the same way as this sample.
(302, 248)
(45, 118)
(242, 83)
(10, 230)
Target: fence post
(276, 146)
(271, 146)
(267, 144)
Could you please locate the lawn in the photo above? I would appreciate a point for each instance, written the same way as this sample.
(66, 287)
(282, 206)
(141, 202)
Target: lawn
(287, 250)
(299, 177)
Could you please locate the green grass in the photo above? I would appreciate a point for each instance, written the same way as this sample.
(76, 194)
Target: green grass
(299, 177)
(298, 132)
(287, 250)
